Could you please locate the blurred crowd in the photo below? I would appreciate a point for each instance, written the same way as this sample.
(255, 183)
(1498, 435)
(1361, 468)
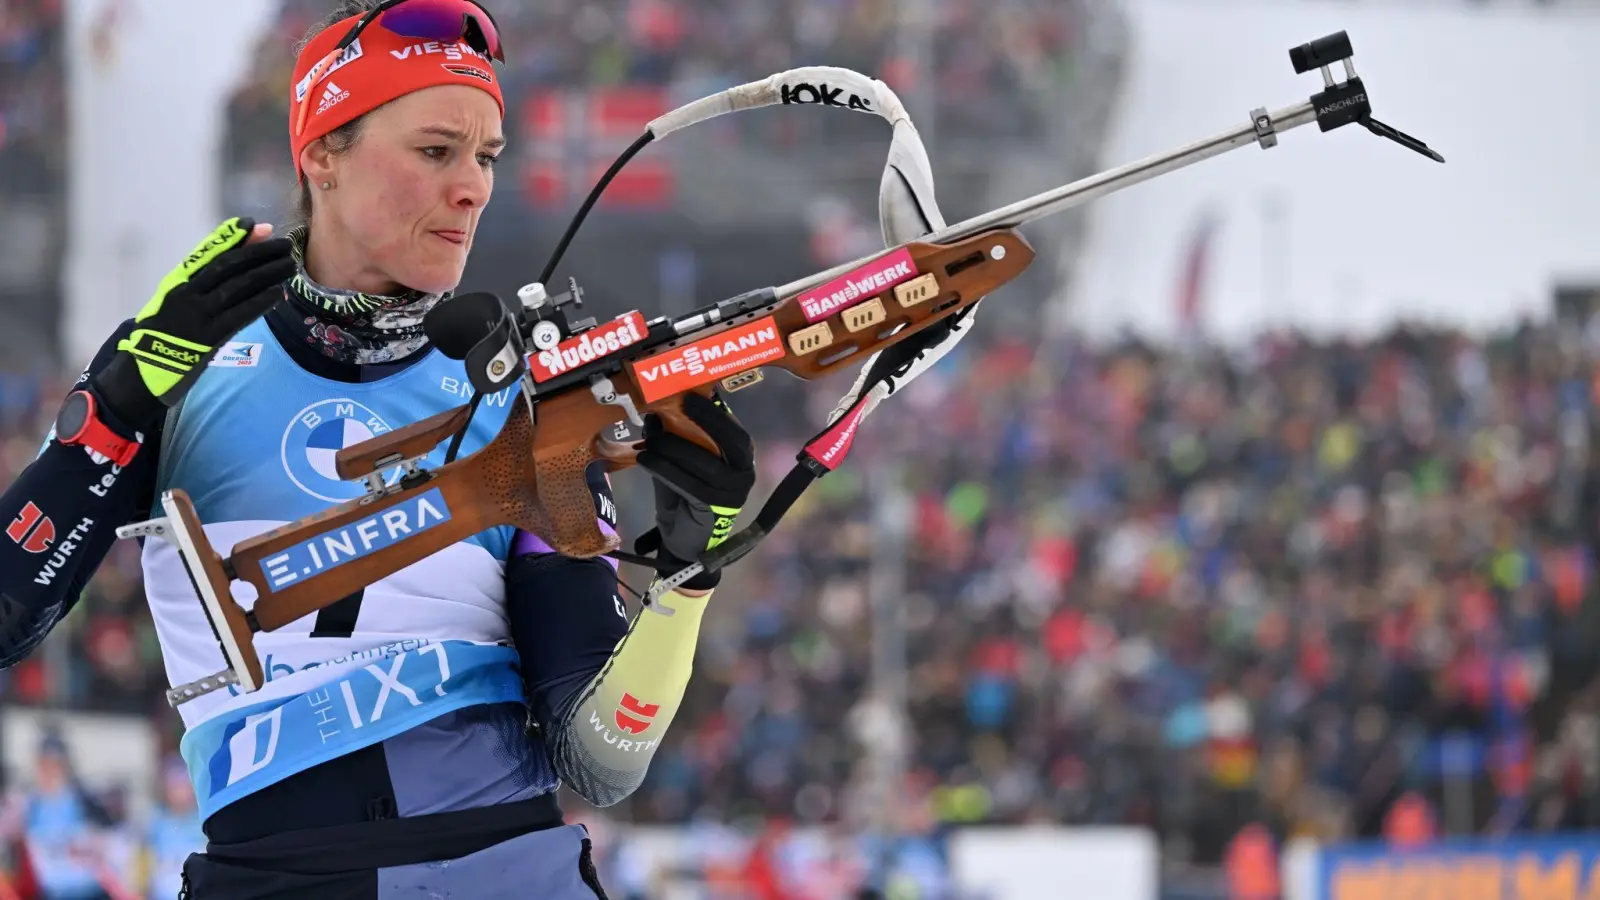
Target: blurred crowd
(1328, 589)
(998, 62)
(32, 98)
(64, 838)
(33, 163)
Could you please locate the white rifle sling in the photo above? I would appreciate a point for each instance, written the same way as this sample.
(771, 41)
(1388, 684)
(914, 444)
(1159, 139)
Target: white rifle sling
(907, 205)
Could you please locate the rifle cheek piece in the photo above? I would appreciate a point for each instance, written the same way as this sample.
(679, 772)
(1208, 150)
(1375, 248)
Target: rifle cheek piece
(478, 330)
(498, 361)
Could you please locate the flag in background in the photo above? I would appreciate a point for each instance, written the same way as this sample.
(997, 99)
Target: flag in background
(573, 136)
(1190, 297)
(103, 33)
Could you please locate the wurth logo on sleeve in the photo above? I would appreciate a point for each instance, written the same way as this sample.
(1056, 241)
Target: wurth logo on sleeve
(704, 361)
(858, 285)
(58, 559)
(32, 529)
(621, 743)
(633, 715)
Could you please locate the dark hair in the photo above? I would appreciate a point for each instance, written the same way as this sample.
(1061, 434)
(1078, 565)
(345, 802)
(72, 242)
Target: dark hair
(341, 139)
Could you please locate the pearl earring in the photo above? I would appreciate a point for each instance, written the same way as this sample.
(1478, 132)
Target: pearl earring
(327, 185)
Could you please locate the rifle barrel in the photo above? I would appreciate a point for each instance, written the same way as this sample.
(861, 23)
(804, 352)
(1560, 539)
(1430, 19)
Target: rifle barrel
(1083, 190)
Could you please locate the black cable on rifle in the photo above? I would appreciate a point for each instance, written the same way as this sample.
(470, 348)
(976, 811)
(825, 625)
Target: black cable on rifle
(455, 440)
(589, 202)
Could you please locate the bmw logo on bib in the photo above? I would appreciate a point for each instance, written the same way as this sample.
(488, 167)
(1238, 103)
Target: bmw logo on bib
(316, 435)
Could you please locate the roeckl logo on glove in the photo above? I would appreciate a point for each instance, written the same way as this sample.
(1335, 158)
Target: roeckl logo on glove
(722, 527)
(222, 237)
(177, 353)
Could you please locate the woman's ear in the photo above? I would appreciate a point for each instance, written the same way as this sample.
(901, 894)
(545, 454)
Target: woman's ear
(317, 164)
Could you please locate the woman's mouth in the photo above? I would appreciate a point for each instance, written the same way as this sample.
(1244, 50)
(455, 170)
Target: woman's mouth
(459, 238)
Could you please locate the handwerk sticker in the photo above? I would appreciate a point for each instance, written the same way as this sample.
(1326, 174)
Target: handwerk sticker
(858, 285)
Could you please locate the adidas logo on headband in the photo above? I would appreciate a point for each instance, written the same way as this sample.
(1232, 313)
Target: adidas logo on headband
(332, 96)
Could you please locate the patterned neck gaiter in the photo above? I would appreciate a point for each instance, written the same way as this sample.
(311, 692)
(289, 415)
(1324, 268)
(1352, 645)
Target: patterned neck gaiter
(353, 327)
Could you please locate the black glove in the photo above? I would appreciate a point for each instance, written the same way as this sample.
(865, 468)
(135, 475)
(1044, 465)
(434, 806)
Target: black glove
(698, 493)
(218, 289)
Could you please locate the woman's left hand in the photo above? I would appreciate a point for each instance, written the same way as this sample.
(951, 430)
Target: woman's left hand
(698, 493)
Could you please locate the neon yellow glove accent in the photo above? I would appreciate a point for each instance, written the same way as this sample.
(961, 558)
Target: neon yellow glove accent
(164, 359)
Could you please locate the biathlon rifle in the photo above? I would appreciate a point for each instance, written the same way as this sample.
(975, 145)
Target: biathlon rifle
(579, 383)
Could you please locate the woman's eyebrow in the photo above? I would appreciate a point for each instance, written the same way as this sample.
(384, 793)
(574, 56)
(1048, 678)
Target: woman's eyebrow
(449, 133)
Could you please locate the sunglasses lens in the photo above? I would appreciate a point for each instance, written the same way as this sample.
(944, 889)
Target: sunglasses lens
(441, 20)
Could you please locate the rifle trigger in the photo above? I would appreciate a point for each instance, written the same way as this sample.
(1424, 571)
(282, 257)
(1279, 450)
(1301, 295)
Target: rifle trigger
(605, 393)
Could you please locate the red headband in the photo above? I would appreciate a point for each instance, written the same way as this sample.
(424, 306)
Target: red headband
(379, 67)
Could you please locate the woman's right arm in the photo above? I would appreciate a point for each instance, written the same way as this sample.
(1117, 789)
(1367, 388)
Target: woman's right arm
(61, 516)
(62, 513)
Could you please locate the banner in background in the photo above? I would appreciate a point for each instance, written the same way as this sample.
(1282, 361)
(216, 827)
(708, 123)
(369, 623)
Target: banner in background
(148, 82)
(1575, 302)
(1029, 862)
(1565, 867)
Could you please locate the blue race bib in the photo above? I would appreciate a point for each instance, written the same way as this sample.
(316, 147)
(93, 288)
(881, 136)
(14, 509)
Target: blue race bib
(244, 750)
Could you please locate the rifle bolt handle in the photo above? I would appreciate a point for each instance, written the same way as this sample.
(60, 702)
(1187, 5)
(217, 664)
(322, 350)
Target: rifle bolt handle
(533, 295)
